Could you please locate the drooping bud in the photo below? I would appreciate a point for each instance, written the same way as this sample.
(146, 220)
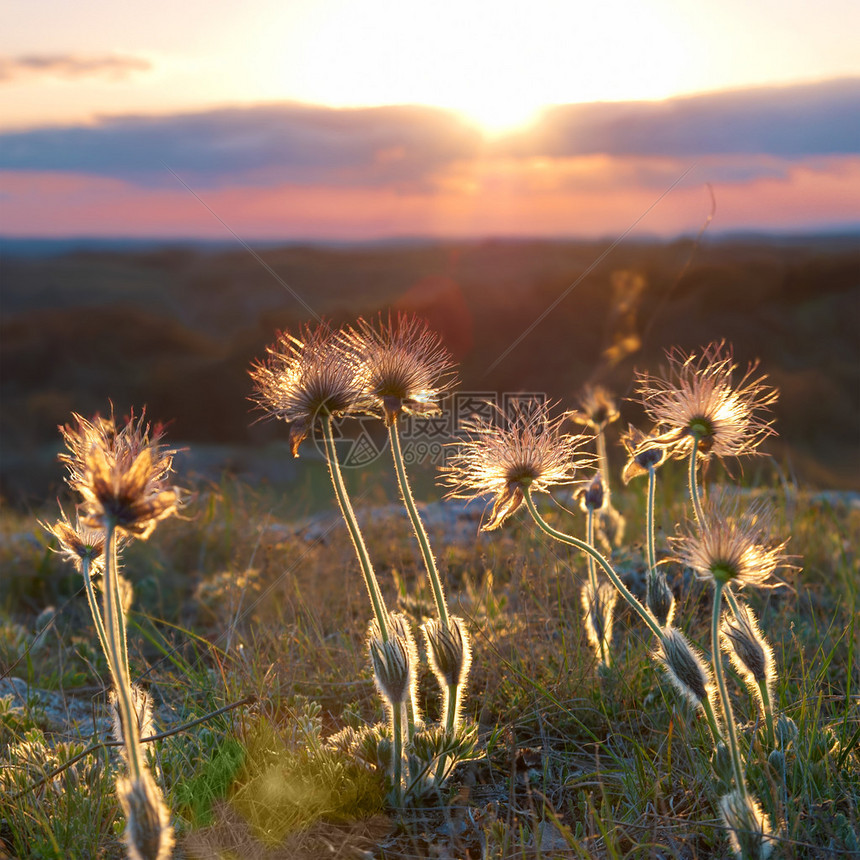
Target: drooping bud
(642, 455)
(659, 597)
(592, 495)
(749, 831)
(684, 666)
(148, 834)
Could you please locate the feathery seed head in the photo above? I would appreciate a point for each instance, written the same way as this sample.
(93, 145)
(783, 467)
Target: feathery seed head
(642, 453)
(597, 408)
(449, 650)
(684, 666)
(304, 379)
(78, 544)
(592, 495)
(148, 834)
(749, 831)
(697, 398)
(732, 546)
(528, 453)
(599, 612)
(402, 365)
(142, 704)
(748, 649)
(121, 474)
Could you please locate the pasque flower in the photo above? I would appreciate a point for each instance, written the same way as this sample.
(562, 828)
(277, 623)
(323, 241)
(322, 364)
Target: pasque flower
(529, 452)
(402, 364)
(697, 400)
(121, 474)
(306, 378)
(732, 546)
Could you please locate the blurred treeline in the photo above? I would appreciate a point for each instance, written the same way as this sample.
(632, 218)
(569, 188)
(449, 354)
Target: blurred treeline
(177, 328)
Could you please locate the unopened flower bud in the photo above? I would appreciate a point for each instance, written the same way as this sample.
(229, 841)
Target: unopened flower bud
(599, 610)
(592, 496)
(391, 669)
(148, 834)
(449, 651)
(684, 666)
(659, 597)
(745, 644)
(749, 832)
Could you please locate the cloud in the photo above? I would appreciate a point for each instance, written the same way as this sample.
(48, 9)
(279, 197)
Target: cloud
(69, 66)
(294, 143)
(735, 137)
(792, 121)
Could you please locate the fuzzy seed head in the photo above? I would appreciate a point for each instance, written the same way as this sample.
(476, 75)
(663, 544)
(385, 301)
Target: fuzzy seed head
(732, 545)
(402, 365)
(697, 397)
(642, 453)
(449, 650)
(748, 649)
(142, 704)
(148, 834)
(598, 607)
(78, 544)
(528, 453)
(749, 831)
(121, 474)
(304, 379)
(684, 666)
(597, 408)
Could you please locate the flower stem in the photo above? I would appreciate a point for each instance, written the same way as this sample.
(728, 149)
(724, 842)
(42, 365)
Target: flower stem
(115, 637)
(94, 610)
(711, 717)
(652, 551)
(349, 517)
(634, 604)
(694, 484)
(589, 537)
(417, 525)
(397, 751)
(768, 714)
(716, 656)
(603, 464)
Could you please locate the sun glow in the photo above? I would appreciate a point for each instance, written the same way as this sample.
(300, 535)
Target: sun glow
(490, 61)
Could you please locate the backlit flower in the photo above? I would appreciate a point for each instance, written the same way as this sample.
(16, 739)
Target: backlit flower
(304, 379)
(597, 408)
(732, 546)
(120, 474)
(78, 544)
(748, 649)
(402, 365)
(697, 398)
(528, 453)
(643, 453)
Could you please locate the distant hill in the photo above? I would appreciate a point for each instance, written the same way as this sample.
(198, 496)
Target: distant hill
(176, 327)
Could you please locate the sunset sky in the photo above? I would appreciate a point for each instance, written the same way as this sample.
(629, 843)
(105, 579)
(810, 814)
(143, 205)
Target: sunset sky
(330, 119)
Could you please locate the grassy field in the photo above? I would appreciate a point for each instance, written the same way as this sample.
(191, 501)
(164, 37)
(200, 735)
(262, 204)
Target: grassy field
(231, 602)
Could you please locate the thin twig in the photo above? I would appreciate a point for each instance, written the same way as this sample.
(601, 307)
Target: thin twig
(248, 700)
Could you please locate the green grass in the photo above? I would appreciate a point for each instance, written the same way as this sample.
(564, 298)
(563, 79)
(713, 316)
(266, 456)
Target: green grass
(574, 762)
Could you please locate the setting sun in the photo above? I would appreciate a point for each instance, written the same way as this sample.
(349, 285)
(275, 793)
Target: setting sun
(491, 62)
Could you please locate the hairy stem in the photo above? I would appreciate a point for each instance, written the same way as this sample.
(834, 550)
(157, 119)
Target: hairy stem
(417, 525)
(634, 604)
(95, 611)
(652, 551)
(349, 517)
(694, 484)
(397, 751)
(716, 656)
(114, 621)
